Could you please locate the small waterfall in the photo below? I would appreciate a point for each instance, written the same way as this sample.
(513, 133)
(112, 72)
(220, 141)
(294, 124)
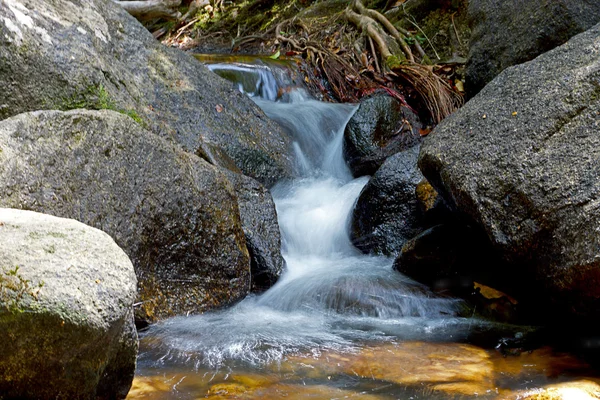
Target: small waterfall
(330, 296)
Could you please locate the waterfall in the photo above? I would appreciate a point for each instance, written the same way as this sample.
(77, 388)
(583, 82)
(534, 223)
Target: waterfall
(330, 295)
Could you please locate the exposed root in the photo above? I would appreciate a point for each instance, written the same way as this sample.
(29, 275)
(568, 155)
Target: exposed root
(349, 51)
(438, 96)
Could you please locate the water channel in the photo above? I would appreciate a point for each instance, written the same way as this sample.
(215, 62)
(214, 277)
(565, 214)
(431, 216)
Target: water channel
(338, 323)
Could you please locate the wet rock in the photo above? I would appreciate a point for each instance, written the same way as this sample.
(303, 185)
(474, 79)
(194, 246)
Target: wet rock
(261, 229)
(381, 127)
(447, 257)
(431, 205)
(511, 32)
(521, 159)
(386, 213)
(67, 54)
(66, 316)
(175, 215)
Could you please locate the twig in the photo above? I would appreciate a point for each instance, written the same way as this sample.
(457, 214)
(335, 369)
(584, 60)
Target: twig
(374, 55)
(183, 28)
(455, 31)
(411, 20)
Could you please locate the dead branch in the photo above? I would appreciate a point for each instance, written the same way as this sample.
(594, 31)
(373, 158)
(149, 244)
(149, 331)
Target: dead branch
(144, 10)
(195, 5)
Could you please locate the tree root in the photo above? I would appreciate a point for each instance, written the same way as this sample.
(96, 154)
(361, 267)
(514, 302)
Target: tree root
(437, 95)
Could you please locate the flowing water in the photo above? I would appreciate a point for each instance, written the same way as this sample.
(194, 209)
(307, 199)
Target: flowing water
(331, 303)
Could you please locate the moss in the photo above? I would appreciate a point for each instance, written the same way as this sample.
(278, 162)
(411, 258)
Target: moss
(394, 61)
(96, 97)
(14, 288)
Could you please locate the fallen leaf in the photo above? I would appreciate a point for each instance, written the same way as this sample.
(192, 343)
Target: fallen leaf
(276, 55)
(484, 116)
(219, 108)
(514, 113)
(424, 132)
(459, 85)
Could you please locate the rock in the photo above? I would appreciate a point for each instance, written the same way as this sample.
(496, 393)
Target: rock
(431, 205)
(511, 32)
(381, 127)
(261, 229)
(386, 212)
(522, 160)
(174, 214)
(66, 316)
(441, 257)
(66, 54)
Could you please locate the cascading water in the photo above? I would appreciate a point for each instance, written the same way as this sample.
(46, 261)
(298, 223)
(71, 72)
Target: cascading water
(338, 323)
(330, 296)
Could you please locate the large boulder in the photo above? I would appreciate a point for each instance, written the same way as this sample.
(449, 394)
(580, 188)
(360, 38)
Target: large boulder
(522, 160)
(380, 127)
(510, 32)
(66, 316)
(387, 212)
(175, 215)
(66, 54)
(261, 229)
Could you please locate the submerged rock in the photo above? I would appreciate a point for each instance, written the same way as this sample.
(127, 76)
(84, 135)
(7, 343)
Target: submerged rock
(66, 316)
(387, 213)
(580, 390)
(507, 33)
(175, 215)
(381, 127)
(522, 160)
(67, 54)
(449, 368)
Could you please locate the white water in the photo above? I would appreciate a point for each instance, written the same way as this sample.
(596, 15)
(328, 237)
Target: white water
(330, 296)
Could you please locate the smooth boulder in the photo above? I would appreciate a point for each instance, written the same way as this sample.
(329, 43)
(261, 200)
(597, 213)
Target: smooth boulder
(68, 54)
(175, 215)
(510, 32)
(66, 316)
(380, 127)
(522, 160)
(387, 212)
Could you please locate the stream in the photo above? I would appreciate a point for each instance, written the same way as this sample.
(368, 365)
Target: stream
(338, 323)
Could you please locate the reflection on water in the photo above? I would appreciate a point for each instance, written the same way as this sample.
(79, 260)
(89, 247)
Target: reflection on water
(338, 323)
(405, 370)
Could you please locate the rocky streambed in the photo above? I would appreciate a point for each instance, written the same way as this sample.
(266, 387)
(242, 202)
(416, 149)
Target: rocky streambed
(265, 264)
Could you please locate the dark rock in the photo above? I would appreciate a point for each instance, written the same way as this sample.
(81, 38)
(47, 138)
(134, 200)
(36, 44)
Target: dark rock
(72, 54)
(66, 316)
(453, 259)
(431, 205)
(259, 223)
(507, 33)
(175, 215)
(522, 160)
(381, 127)
(386, 212)
(446, 257)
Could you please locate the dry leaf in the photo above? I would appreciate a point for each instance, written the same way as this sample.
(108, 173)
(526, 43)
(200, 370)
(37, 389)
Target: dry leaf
(219, 108)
